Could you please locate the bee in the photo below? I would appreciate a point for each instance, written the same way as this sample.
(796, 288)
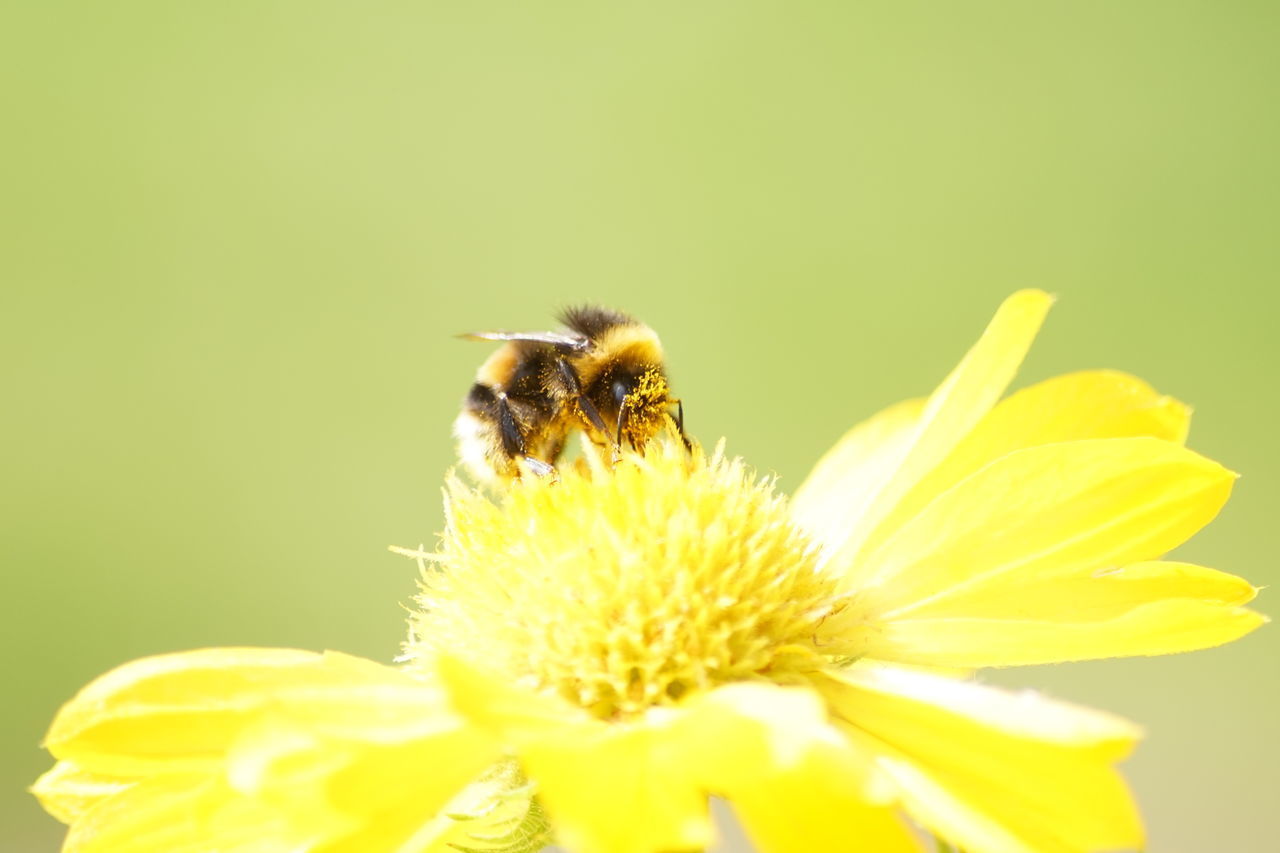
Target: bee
(603, 373)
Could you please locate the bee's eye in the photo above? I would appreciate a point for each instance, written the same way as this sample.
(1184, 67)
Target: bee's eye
(619, 391)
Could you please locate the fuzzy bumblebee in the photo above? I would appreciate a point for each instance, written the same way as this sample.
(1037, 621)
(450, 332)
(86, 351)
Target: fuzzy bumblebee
(603, 374)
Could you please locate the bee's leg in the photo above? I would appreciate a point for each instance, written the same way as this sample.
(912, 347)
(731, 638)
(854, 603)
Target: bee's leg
(513, 443)
(570, 378)
(593, 414)
(508, 429)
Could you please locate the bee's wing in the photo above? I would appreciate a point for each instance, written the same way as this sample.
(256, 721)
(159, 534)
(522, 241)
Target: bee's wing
(560, 340)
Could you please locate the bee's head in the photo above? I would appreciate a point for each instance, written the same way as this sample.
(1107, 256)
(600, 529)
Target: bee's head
(644, 405)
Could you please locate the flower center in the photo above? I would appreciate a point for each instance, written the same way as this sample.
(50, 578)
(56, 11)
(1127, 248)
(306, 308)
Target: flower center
(629, 586)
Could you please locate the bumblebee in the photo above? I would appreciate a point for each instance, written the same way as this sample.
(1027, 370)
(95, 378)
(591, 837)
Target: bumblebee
(603, 373)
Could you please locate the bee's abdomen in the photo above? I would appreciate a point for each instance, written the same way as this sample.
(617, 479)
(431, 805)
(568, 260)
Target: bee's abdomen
(479, 445)
(492, 407)
(498, 426)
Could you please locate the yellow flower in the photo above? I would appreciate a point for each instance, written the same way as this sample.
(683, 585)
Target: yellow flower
(592, 657)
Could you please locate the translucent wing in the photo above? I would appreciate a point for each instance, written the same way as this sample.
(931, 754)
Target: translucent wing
(570, 341)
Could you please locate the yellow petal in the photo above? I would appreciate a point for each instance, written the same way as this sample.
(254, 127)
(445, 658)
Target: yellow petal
(901, 697)
(958, 404)
(365, 766)
(992, 771)
(800, 815)
(1162, 628)
(68, 790)
(622, 788)
(1048, 511)
(510, 712)
(399, 795)
(609, 788)
(264, 749)
(794, 780)
(181, 711)
(182, 813)
(343, 787)
(287, 770)
(847, 479)
(496, 812)
(1142, 609)
(1074, 407)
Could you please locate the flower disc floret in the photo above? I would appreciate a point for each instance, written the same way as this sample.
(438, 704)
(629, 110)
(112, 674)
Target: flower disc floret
(629, 587)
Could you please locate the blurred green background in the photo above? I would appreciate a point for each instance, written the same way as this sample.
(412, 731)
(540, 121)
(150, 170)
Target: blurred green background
(238, 237)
